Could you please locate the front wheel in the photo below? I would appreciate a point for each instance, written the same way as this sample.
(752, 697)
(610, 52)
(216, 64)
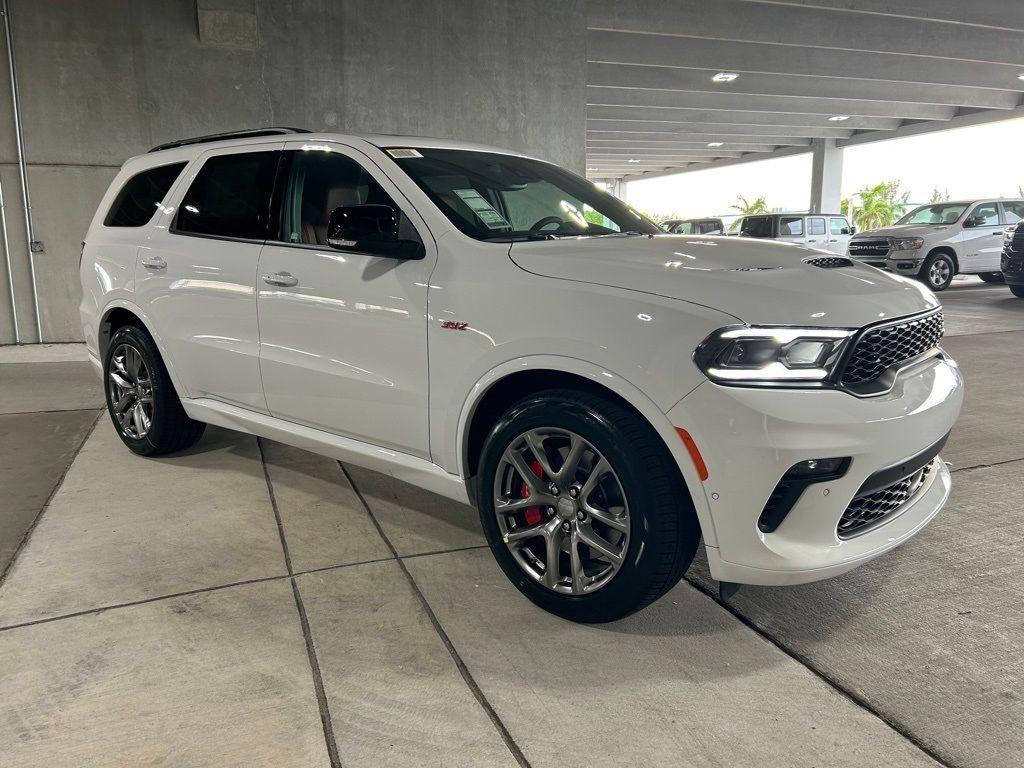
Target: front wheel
(141, 400)
(583, 506)
(992, 277)
(937, 271)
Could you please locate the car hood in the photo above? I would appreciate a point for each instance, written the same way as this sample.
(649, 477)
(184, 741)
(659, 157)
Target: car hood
(756, 281)
(903, 230)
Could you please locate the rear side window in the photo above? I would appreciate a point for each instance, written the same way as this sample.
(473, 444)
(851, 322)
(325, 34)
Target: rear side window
(1013, 212)
(791, 226)
(816, 226)
(136, 203)
(230, 197)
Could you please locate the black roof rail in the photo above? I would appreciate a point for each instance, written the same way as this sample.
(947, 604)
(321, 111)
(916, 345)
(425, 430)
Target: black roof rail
(228, 135)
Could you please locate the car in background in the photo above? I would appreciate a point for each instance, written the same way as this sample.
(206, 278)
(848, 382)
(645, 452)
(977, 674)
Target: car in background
(694, 226)
(824, 231)
(935, 242)
(1012, 262)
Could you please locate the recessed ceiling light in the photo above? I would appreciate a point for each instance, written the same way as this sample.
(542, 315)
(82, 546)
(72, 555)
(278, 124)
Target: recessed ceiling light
(1020, 76)
(724, 77)
(715, 143)
(632, 160)
(591, 169)
(839, 118)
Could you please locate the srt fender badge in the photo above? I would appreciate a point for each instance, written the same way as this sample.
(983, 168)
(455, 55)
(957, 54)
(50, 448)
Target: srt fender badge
(454, 325)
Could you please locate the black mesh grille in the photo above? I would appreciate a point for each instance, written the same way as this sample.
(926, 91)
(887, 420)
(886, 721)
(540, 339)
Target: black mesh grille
(879, 349)
(829, 262)
(871, 509)
(1013, 254)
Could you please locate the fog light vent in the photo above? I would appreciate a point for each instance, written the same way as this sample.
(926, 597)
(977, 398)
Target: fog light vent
(792, 485)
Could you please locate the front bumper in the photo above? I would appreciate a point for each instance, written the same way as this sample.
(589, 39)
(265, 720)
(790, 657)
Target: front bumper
(902, 263)
(750, 437)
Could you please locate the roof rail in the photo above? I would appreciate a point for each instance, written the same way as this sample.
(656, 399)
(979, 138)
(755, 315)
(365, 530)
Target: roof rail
(228, 135)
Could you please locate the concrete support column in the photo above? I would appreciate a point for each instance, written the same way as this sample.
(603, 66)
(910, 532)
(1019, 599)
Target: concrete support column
(826, 176)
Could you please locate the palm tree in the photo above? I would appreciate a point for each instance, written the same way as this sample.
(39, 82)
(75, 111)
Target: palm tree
(748, 208)
(880, 205)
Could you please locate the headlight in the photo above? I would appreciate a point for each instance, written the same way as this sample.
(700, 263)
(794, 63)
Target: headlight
(907, 243)
(753, 356)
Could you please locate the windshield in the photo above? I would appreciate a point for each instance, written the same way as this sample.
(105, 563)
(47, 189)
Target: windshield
(943, 213)
(497, 197)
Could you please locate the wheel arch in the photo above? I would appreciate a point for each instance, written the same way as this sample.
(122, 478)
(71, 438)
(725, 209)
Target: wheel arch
(121, 312)
(511, 382)
(948, 251)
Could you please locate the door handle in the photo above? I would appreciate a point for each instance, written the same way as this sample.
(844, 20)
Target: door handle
(154, 262)
(281, 279)
(812, 241)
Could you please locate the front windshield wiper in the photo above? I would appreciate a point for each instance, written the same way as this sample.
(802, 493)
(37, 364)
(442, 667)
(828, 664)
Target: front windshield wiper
(626, 232)
(519, 238)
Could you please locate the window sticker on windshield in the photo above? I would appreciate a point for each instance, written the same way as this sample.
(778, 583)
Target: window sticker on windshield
(484, 211)
(402, 154)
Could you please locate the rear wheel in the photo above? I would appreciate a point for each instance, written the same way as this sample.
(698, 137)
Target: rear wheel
(583, 506)
(992, 277)
(141, 400)
(937, 271)
(1017, 290)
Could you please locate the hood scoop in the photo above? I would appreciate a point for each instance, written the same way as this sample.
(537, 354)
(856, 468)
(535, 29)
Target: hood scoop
(829, 262)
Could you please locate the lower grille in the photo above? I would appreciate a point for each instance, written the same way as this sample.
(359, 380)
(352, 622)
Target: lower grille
(867, 248)
(874, 509)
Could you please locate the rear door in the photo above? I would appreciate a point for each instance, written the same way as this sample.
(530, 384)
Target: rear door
(791, 229)
(196, 275)
(816, 232)
(982, 243)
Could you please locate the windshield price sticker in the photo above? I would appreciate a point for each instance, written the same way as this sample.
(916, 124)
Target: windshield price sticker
(484, 210)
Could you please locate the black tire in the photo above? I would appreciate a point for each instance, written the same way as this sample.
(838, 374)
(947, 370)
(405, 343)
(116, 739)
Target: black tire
(992, 277)
(170, 428)
(663, 528)
(1017, 290)
(935, 265)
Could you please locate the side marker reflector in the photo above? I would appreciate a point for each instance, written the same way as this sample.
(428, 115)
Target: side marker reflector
(691, 448)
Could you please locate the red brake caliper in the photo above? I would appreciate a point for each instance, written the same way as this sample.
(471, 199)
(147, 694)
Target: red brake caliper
(532, 515)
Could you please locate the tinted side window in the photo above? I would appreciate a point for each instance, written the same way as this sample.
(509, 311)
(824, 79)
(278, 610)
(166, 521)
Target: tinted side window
(816, 226)
(987, 214)
(756, 226)
(836, 226)
(230, 196)
(1013, 212)
(319, 182)
(791, 226)
(136, 203)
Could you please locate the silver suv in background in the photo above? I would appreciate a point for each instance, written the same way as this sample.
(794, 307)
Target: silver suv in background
(693, 226)
(824, 231)
(935, 242)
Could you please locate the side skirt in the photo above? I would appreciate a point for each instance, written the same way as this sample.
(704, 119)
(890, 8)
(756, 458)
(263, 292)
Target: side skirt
(402, 466)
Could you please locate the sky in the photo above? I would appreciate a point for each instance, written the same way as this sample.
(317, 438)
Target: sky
(979, 161)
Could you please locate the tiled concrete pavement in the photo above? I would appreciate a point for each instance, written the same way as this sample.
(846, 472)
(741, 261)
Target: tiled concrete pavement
(242, 604)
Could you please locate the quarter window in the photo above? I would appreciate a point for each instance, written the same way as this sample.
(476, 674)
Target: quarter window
(138, 199)
(836, 226)
(318, 183)
(756, 226)
(816, 226)
(230, 197)
(791, 226)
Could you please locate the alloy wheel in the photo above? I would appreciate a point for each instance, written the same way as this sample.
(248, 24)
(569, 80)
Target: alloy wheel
(938, 274)
(131, 391)
(561, 510)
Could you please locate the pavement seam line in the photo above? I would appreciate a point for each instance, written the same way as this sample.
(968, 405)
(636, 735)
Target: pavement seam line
(467, 676)
(50, 410)
(835, 685)
(46, 504)
(307, 633)
(985, 466)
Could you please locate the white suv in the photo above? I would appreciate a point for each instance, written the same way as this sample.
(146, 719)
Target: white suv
(495, 329)
(935, 242)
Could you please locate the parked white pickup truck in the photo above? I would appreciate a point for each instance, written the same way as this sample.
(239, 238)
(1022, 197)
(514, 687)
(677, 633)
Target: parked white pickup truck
(936, 242)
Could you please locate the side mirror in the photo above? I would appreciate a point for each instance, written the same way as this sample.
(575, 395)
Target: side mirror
(970, 222)
(846, 231)
(371, 229)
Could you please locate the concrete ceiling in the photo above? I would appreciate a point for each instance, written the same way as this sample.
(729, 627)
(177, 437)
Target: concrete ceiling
(888, 67)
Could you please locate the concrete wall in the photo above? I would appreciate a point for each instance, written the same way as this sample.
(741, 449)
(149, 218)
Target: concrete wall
(105, 79)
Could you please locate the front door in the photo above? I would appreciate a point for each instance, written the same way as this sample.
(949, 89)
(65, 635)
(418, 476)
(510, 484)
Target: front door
(983, 242)
(195, 274)
(343, 334)
(838, 234)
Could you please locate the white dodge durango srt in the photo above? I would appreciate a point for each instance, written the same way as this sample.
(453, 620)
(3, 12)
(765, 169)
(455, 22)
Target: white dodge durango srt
(497, 330)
